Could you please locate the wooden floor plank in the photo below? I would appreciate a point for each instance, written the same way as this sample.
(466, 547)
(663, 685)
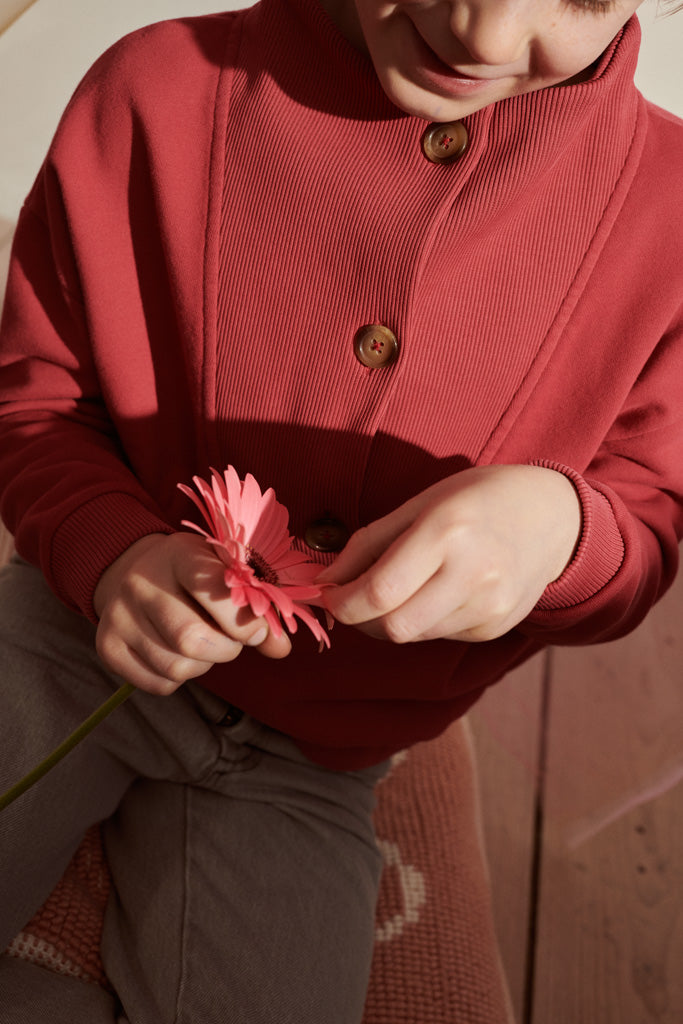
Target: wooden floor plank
(610, 925)
(505, 724)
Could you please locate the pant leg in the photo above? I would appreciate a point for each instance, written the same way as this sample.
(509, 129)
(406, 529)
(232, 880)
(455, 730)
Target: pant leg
(32, 995)
(254, 893)
(50, 681)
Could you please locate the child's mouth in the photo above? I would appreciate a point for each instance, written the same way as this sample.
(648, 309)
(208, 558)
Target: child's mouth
(447, 78)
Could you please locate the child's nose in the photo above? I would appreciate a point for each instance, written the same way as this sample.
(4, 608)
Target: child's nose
(494, 32)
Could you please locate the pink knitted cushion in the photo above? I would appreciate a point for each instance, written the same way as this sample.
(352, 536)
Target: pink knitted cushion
(65, 934)
(436, 958)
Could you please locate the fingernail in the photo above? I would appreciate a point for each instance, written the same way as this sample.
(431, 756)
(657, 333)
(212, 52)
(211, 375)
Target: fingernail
(258, 637)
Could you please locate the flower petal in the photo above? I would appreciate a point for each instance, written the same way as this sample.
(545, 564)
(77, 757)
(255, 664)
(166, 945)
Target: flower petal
(242, 524)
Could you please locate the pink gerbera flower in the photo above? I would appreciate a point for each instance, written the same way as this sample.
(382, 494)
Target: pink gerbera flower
(248, 531)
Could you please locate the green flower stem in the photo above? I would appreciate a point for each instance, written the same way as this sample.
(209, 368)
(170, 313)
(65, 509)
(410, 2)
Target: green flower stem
(122, 694)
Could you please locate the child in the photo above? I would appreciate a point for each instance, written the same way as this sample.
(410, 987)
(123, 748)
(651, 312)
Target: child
(415, 266)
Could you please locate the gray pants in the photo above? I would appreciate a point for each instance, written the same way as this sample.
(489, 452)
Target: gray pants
(245, 877)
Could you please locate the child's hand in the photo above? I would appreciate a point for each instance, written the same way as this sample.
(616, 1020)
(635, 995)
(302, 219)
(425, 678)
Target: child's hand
(467, 559)
(166, 617)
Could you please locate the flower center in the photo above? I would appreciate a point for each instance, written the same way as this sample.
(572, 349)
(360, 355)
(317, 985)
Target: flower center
(260, 568)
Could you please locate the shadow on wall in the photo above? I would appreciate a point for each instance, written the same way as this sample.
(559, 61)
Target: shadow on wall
(6, 234)
(6, 231)
(10, 11)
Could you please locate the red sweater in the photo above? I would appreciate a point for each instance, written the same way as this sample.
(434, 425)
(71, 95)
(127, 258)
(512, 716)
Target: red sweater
(226, 201)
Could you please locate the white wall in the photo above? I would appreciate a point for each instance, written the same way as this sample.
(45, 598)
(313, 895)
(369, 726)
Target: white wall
(47, 45)
(660, 67)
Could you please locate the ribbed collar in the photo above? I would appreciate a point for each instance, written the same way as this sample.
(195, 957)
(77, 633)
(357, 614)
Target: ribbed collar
(304, 48)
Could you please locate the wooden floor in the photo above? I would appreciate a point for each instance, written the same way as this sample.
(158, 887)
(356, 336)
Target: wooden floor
(581, 757)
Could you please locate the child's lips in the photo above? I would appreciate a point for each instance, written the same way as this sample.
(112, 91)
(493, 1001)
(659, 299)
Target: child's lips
(453, 81)
(437, 68)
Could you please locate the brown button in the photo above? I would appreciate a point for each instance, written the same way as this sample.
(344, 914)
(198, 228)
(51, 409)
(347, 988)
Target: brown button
(375, 346)
(442, 143)
(326, 534)
(232, 716)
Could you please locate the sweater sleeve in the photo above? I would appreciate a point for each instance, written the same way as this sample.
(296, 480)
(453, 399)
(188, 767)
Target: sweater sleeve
(93, 390)
(102, 342)
(631, 497)
(69, 496)
(599, 552)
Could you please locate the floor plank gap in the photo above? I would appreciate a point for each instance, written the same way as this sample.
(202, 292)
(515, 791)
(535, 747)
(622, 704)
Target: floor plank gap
(536, 865)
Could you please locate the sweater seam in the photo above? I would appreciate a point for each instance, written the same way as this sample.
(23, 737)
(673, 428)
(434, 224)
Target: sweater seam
(534, 376)
(214, 205)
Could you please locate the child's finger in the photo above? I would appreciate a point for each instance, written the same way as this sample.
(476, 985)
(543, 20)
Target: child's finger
(274, 646)
(242, 626)
(362, 550)
(131, 645)
(425, 614)
(369, 543)
(152, 668)
(160, 672)
(202, 588)
(394, 578)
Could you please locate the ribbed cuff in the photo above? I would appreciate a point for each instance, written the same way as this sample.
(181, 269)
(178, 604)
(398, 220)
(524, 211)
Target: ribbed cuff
(600, 551)
(91, 539)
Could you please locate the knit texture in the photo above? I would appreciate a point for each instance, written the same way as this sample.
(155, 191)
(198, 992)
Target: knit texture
(436, 959)
(64, 936)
